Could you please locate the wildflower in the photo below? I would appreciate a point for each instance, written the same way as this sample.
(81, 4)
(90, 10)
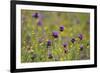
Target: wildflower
(64, 45)
(80, 36)
(39, 23)
(50, 55)
(61, 28)
(55, 34)
(81, 47)
(35, 15)
(73, 40)
(48, 43)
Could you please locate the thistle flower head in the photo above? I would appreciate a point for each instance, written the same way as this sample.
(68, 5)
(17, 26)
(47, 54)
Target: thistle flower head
(48, 43)
(65, 45)
(81, 47)
(73, 40)
(35, 15)
(50, 55)
(80, 36)
(55, 34)
(61, 28)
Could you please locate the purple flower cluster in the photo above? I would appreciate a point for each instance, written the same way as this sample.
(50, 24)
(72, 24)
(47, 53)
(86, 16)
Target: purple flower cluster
(35, 15)
(80, 36)
(50, 56)
(61, 28)
(55, 34)
(81, 47)
(39, 17)
(65, 45)
(73, 40)
(48, 43)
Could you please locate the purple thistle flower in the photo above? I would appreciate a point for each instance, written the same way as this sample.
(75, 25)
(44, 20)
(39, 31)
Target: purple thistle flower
(39, 23)
(64, 45)
(81, 47)
(50, 55)
(73, 40)
(35, 15)
(80, 36)
(38, 15)
(48, 43)
(55, 34)
(61, 28)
